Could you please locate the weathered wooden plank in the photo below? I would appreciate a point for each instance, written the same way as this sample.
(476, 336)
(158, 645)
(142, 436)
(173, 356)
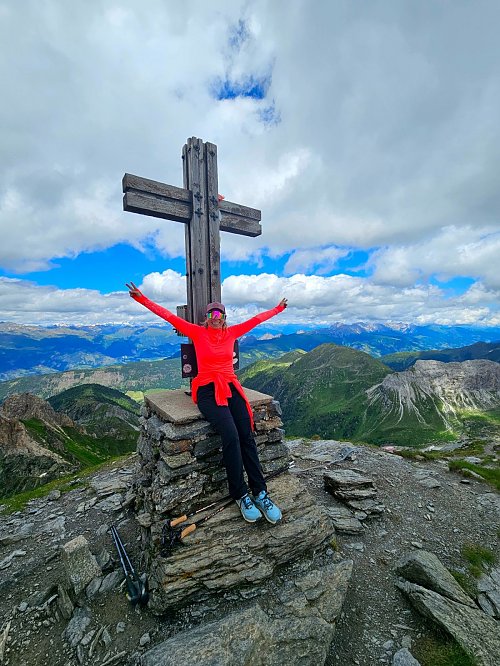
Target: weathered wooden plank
(213, 222)
(198, 229)
(236, 209)
(131, 182)
(137, 202)
(240, 225)
(187, 236)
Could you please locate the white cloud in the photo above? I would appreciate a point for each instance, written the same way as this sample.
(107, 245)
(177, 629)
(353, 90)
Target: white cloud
(453, 251)
(313, 300)
(388, 134)
(323, 260)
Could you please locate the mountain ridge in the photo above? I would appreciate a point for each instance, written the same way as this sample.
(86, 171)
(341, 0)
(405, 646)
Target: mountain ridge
(367, 401)
(39, 443)
(27, 350)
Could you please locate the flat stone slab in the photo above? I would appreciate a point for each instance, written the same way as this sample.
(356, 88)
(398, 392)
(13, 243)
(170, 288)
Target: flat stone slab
(178, 407)
(476, 632)
(342, 479)
(227, 553)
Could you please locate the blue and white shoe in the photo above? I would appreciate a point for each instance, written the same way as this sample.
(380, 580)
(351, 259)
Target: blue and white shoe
(269, 509)
(248, 509)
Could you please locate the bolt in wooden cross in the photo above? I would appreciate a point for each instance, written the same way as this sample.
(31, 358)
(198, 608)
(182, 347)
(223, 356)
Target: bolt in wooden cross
(198, 206)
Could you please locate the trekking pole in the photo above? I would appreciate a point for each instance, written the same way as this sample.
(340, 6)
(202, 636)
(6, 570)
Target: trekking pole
(137, 586)
(141, 581)
(171, 535)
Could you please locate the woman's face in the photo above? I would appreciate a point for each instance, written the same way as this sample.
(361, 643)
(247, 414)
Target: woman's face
(216, 319)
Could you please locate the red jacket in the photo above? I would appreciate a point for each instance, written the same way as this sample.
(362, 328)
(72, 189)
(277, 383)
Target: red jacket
(214, 350)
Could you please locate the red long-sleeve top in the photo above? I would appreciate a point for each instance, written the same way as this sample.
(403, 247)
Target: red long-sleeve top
(214, 350)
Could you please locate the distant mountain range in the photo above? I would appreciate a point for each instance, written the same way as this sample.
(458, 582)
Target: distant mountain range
(41, 441)
(341, 393)
(139, 376)
(489, 351)
(28, 350)
(142, 376)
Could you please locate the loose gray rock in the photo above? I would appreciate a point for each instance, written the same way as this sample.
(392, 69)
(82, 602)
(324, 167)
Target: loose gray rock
(75, 630)
(111, 581)
(429, 482)
(13, 536)
(424, 568)
(4, 634)
(79, 563)
(343, 520)
(64, 603)
(404, 658)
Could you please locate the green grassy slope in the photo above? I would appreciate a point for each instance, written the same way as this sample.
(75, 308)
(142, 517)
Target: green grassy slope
(325, 392)
(322, 392)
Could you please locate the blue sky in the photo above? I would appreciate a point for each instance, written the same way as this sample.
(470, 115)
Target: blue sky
(367, 135)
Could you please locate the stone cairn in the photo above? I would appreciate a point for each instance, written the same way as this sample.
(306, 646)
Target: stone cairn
(180, 461)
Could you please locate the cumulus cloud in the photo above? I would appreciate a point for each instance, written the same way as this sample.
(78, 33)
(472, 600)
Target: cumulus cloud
(313, 301)
(318, 260)
(453, 251)
(369, 129)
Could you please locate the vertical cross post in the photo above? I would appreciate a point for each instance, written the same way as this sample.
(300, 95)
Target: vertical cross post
(202, 233)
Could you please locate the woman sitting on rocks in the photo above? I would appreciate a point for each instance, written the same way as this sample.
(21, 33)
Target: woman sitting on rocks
(222, 401)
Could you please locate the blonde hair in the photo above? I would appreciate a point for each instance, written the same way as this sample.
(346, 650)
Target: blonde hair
(205, 323)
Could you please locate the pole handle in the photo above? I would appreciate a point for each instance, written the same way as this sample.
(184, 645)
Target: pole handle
(188, 530)
(176, 521)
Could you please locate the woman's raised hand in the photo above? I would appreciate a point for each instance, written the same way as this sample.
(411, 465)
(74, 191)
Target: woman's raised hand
(283, 302)
(133, 291)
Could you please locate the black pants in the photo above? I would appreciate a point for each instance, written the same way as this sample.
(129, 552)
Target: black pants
(238, 444)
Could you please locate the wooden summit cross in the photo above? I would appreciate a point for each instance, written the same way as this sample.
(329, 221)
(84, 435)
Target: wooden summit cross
(198, 206)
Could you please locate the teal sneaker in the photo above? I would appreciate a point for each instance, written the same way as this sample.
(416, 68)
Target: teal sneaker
(269, 509)
(248, 509)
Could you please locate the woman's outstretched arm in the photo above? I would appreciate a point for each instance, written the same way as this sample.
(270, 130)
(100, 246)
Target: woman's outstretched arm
(181, 325)
(246, 326)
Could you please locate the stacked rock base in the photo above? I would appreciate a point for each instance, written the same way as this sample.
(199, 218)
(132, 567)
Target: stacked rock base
(180, 459)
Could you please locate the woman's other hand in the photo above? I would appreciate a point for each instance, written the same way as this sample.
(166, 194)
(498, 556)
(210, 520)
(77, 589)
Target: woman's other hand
(133, 291)
(283, 302)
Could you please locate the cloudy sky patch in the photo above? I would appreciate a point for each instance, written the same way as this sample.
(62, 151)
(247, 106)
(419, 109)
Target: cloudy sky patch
(366, 133)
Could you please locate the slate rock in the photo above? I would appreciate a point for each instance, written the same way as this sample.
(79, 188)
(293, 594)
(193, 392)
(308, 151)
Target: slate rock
(75, 630)
(346, 478)
(227, 552)
(404, 657)
(476, 632)
(298, 630)
(424, 568)
(111, 581)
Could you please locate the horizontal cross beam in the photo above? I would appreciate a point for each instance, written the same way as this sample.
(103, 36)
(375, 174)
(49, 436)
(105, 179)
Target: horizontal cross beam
(149, 197)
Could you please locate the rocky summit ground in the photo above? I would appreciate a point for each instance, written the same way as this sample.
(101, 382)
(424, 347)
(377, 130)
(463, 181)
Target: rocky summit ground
(425, 506)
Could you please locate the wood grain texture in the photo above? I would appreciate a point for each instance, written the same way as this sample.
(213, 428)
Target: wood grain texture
(167, 209)
(214, 279)
(240, 225)
(237, 209)
(131, 182)
(198, 229)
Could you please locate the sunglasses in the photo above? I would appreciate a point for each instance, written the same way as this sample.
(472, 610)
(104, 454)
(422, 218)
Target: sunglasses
(216, 314)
